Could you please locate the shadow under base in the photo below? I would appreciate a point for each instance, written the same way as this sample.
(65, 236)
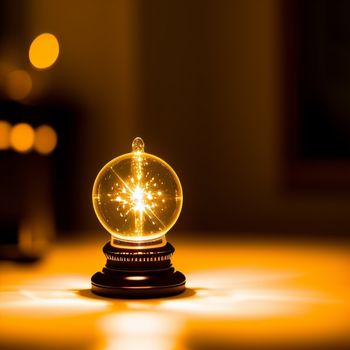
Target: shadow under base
(130, 273)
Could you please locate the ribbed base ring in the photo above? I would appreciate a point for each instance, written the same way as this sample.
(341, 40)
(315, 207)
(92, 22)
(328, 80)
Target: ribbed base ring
(147, 273)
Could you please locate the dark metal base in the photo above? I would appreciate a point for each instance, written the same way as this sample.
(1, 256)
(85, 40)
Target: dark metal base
(145, 273)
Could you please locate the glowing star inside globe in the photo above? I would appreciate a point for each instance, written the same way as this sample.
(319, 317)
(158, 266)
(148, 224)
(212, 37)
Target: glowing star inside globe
(137, 197)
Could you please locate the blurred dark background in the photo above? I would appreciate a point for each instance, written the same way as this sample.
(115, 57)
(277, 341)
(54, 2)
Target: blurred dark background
(248, 100)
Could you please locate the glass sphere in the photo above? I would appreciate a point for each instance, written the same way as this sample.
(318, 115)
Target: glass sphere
(137, 196)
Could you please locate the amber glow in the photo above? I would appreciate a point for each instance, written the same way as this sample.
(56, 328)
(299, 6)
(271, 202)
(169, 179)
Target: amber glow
(45, 139)
(246, 295)
(19, 84)
(43, 51)
(5, 130)
(22, 137)
(137, 196)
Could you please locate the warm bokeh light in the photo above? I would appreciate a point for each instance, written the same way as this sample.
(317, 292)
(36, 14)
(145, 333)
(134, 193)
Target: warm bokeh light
(18, 85)
(5, 130)
(45, 139)
(43, 51)
(22, 137)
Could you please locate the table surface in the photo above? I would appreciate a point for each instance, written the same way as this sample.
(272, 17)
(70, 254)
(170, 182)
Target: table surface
(240, 294)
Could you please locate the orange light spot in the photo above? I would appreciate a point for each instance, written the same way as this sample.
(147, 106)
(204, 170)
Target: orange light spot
(22, 137)
(5, 130)
(45, 139)
(19, 85)
(43, 51)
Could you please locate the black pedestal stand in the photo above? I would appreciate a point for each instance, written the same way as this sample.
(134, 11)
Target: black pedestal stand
(132, 273)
